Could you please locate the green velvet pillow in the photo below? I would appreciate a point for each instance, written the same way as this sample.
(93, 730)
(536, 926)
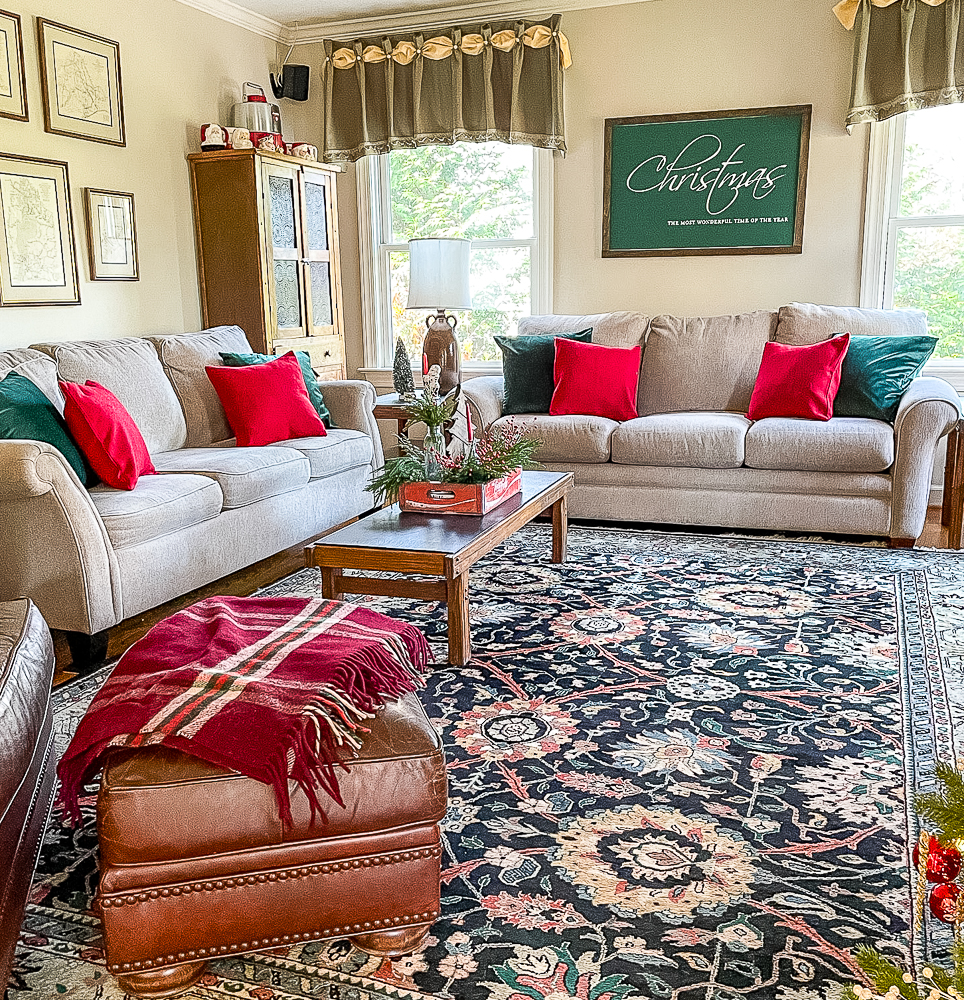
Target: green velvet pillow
(25, 412)
(876, 373)
(527, 363)
(307, 373)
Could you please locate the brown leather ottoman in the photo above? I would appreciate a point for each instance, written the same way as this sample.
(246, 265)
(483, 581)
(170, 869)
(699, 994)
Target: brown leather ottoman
(195, 863)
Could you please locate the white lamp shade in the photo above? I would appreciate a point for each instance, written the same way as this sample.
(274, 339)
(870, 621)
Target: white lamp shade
(439, 274)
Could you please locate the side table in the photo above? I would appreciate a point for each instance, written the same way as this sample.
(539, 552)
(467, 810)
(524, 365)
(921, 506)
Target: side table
(390, 407)
(952, 505)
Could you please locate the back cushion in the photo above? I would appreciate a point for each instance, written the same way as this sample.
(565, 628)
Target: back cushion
(615, 329)
(184, 357)
(703, 362)
(801, 323)
(131, 369)
(38, 368)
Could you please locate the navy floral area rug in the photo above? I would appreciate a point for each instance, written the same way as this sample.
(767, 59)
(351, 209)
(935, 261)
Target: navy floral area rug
(678, 768)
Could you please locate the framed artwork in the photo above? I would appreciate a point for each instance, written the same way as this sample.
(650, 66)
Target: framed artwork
(13, 81)
(37, 262)
(711, 182)
(81, 83)
(111, 235)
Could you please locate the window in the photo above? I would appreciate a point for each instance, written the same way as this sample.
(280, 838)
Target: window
(914, 243)
(496, 195)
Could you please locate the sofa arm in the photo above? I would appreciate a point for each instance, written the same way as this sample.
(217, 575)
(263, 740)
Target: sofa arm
(351, 402)
(484, 395)
(928, 410)
(54, 548)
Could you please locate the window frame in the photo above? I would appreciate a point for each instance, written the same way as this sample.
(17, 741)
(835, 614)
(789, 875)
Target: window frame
(374, 230)
(882, 222)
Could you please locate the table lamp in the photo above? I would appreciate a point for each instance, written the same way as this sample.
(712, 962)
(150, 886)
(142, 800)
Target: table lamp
(439, 280)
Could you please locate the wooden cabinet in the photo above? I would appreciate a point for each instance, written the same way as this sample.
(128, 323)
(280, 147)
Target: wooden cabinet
(267, 248)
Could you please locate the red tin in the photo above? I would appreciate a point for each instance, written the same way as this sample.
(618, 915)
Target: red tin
(458, 498)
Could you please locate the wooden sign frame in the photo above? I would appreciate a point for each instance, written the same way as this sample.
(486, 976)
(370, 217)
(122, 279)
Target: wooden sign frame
(710, 182)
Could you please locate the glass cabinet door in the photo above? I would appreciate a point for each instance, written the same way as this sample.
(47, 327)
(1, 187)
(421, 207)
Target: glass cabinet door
(319, 253)
(286, 289)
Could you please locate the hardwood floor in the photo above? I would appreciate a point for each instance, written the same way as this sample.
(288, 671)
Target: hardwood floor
(247, 580)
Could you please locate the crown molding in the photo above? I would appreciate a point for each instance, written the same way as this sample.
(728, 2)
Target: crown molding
(233, 13)
(437, 17)
(360, 27)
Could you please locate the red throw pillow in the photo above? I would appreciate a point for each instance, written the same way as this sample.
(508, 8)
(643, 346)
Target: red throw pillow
(798, 381)
(594, 380)
(265, 403)
(106, 433)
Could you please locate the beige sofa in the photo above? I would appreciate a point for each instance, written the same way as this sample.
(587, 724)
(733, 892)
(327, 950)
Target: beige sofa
(89, 559)
(693, 457)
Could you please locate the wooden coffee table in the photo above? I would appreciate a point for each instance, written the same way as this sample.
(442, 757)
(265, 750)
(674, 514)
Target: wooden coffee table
(440, 545)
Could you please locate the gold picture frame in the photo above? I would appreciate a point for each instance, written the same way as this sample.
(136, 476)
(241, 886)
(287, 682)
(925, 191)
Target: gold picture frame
(38, 266)
(111, 235)
(81, 84)
(13, 79)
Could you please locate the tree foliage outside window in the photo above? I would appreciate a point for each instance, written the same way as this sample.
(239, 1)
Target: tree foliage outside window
(477, 191)
(927, 239)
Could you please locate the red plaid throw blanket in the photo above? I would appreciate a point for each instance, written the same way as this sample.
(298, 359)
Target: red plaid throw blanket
(270, 687)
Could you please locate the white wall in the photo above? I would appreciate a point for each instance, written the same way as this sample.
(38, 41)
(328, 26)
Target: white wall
(180, 67)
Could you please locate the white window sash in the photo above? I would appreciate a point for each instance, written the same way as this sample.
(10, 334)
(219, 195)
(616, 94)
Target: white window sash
(374, 250)
(881, 225)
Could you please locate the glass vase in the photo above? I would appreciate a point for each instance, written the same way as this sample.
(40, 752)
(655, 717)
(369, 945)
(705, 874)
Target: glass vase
(434, 445)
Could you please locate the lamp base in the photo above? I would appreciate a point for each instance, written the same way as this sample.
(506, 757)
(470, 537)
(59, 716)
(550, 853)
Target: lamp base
(441, 347)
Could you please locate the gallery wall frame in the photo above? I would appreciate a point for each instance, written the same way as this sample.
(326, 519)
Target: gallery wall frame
(81, 84)
(111, 235)
(13, 79)
(38, 265)
(708, 182)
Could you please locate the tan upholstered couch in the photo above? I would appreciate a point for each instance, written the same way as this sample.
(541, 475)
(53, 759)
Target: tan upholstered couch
(693, 457)
(89, 559)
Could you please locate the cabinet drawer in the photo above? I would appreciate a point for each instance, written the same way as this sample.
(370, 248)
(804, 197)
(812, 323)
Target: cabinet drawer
(323, 351)
(335, 374)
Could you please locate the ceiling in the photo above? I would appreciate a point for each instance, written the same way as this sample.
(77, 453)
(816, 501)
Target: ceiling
(302, 21)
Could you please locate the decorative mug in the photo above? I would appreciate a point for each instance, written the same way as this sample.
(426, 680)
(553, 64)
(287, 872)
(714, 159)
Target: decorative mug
(266, 141)
(213, 136)
(239, 138)
(304, 151)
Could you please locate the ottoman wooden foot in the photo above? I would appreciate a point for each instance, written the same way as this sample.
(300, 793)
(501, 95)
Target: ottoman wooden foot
(391, 944)
(162, 982)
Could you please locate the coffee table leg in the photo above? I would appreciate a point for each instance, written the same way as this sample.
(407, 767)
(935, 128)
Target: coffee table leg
(460, 642)
(560, 529)
(330, 579)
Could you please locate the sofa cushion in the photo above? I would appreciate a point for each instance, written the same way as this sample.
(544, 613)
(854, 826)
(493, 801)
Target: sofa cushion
(527, 364)
(132, 371)
(266, 403)
(595, 380)
(106, 434)
(339, 451)
(615, 329)
(804, 323)
(876, 373)
(26, 413)
(702, 362)
(36, 366)
(684, 440)
(842, 444)
(798, 381)
(577, 439)
(243, 359)
(245, 475)
(158, 505)
(184, 358)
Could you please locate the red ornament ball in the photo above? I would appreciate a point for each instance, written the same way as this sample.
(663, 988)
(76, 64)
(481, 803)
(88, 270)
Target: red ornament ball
(943, 902)
(943, 861)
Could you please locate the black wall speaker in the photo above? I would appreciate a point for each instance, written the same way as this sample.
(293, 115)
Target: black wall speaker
(291, 83)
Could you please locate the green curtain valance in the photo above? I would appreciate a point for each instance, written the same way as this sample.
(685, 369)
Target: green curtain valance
(494, 81)
(908, 54)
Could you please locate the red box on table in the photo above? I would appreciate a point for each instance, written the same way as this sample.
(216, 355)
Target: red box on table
(458, 498)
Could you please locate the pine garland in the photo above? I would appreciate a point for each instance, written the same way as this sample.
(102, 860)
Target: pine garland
(945, 807)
